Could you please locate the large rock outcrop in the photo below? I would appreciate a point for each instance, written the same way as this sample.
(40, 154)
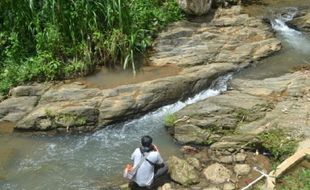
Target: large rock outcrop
(231, 37)
(230, 42)
(233, 119)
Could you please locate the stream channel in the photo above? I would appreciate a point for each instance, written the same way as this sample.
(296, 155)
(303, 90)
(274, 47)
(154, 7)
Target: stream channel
(95, 161)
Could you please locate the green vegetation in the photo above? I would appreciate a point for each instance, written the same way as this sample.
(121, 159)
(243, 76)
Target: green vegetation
(278, 143)
(298, 179)
(169, 120)
(57, 39)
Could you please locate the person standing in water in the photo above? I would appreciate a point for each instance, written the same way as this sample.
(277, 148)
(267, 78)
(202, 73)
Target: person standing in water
(151, 168)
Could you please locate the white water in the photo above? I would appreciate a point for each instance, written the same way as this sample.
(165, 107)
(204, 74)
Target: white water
(93, 161)
(294, 38)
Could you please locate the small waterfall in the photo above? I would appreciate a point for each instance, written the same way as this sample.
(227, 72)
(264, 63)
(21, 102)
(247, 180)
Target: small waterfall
(95, 160)
(293, 37)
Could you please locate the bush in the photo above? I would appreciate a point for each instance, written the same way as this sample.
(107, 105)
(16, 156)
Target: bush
(45, 39)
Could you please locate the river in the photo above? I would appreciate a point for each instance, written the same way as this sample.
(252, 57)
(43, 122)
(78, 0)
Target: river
(95, 161)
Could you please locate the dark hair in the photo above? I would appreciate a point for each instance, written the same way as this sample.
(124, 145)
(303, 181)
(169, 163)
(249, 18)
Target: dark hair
(146, 141)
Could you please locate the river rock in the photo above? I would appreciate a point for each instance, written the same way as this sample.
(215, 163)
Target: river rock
(182, 172)
(205, 51)
(230, 37)
(195, 7)
(279, 102)
(219, 114)
(302, 22)
(33, 90)
(242, 169)
(13, 109)
(217, 173)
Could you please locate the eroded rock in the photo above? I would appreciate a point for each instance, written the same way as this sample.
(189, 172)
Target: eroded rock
(182, 172)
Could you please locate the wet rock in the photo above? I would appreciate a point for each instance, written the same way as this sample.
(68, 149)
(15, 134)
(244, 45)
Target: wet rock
(195, 7)
(182, 172)
(217, 173)
(242, 169)
(302, 22)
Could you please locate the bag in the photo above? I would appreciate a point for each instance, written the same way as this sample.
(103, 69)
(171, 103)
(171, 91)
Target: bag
(129, 172)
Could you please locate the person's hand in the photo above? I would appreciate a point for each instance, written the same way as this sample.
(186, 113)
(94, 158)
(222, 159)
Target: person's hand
(155, 148)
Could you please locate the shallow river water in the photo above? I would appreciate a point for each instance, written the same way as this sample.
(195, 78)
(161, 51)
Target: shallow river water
(95, 161)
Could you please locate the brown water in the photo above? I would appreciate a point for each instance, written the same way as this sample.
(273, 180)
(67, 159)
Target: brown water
(109, 79)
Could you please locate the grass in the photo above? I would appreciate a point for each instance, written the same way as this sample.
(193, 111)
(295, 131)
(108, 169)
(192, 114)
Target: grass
(299, 179)
(278, 144)
(169, 120)
(57, 39)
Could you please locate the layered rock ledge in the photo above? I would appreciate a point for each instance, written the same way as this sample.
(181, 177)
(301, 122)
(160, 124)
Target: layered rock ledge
(205, 51)
(233, 120)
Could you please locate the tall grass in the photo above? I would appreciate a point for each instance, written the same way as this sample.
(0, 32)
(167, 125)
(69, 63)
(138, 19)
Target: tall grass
(56, 39)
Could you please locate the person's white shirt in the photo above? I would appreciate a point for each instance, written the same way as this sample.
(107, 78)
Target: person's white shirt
(145, 173)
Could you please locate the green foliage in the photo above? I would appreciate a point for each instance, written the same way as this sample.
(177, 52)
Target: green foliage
(169, 120)
(53, 39)
(297, 180)
(278, 143)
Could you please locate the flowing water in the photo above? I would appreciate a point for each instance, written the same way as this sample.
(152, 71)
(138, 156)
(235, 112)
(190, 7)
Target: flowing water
(94, 161)
(295, 44)
(88, 161)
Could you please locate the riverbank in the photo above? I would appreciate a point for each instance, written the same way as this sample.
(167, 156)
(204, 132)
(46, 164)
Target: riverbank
(92, 158)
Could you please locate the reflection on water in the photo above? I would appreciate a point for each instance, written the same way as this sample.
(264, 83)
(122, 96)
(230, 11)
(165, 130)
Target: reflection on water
(89, 161)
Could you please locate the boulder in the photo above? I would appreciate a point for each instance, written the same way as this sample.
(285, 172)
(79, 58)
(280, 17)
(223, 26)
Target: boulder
(33, 90)
(15, 108)
(182, 172)
(195, 7)
(269, 104)
(242, 169)
(302, 22)
(217, 173)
